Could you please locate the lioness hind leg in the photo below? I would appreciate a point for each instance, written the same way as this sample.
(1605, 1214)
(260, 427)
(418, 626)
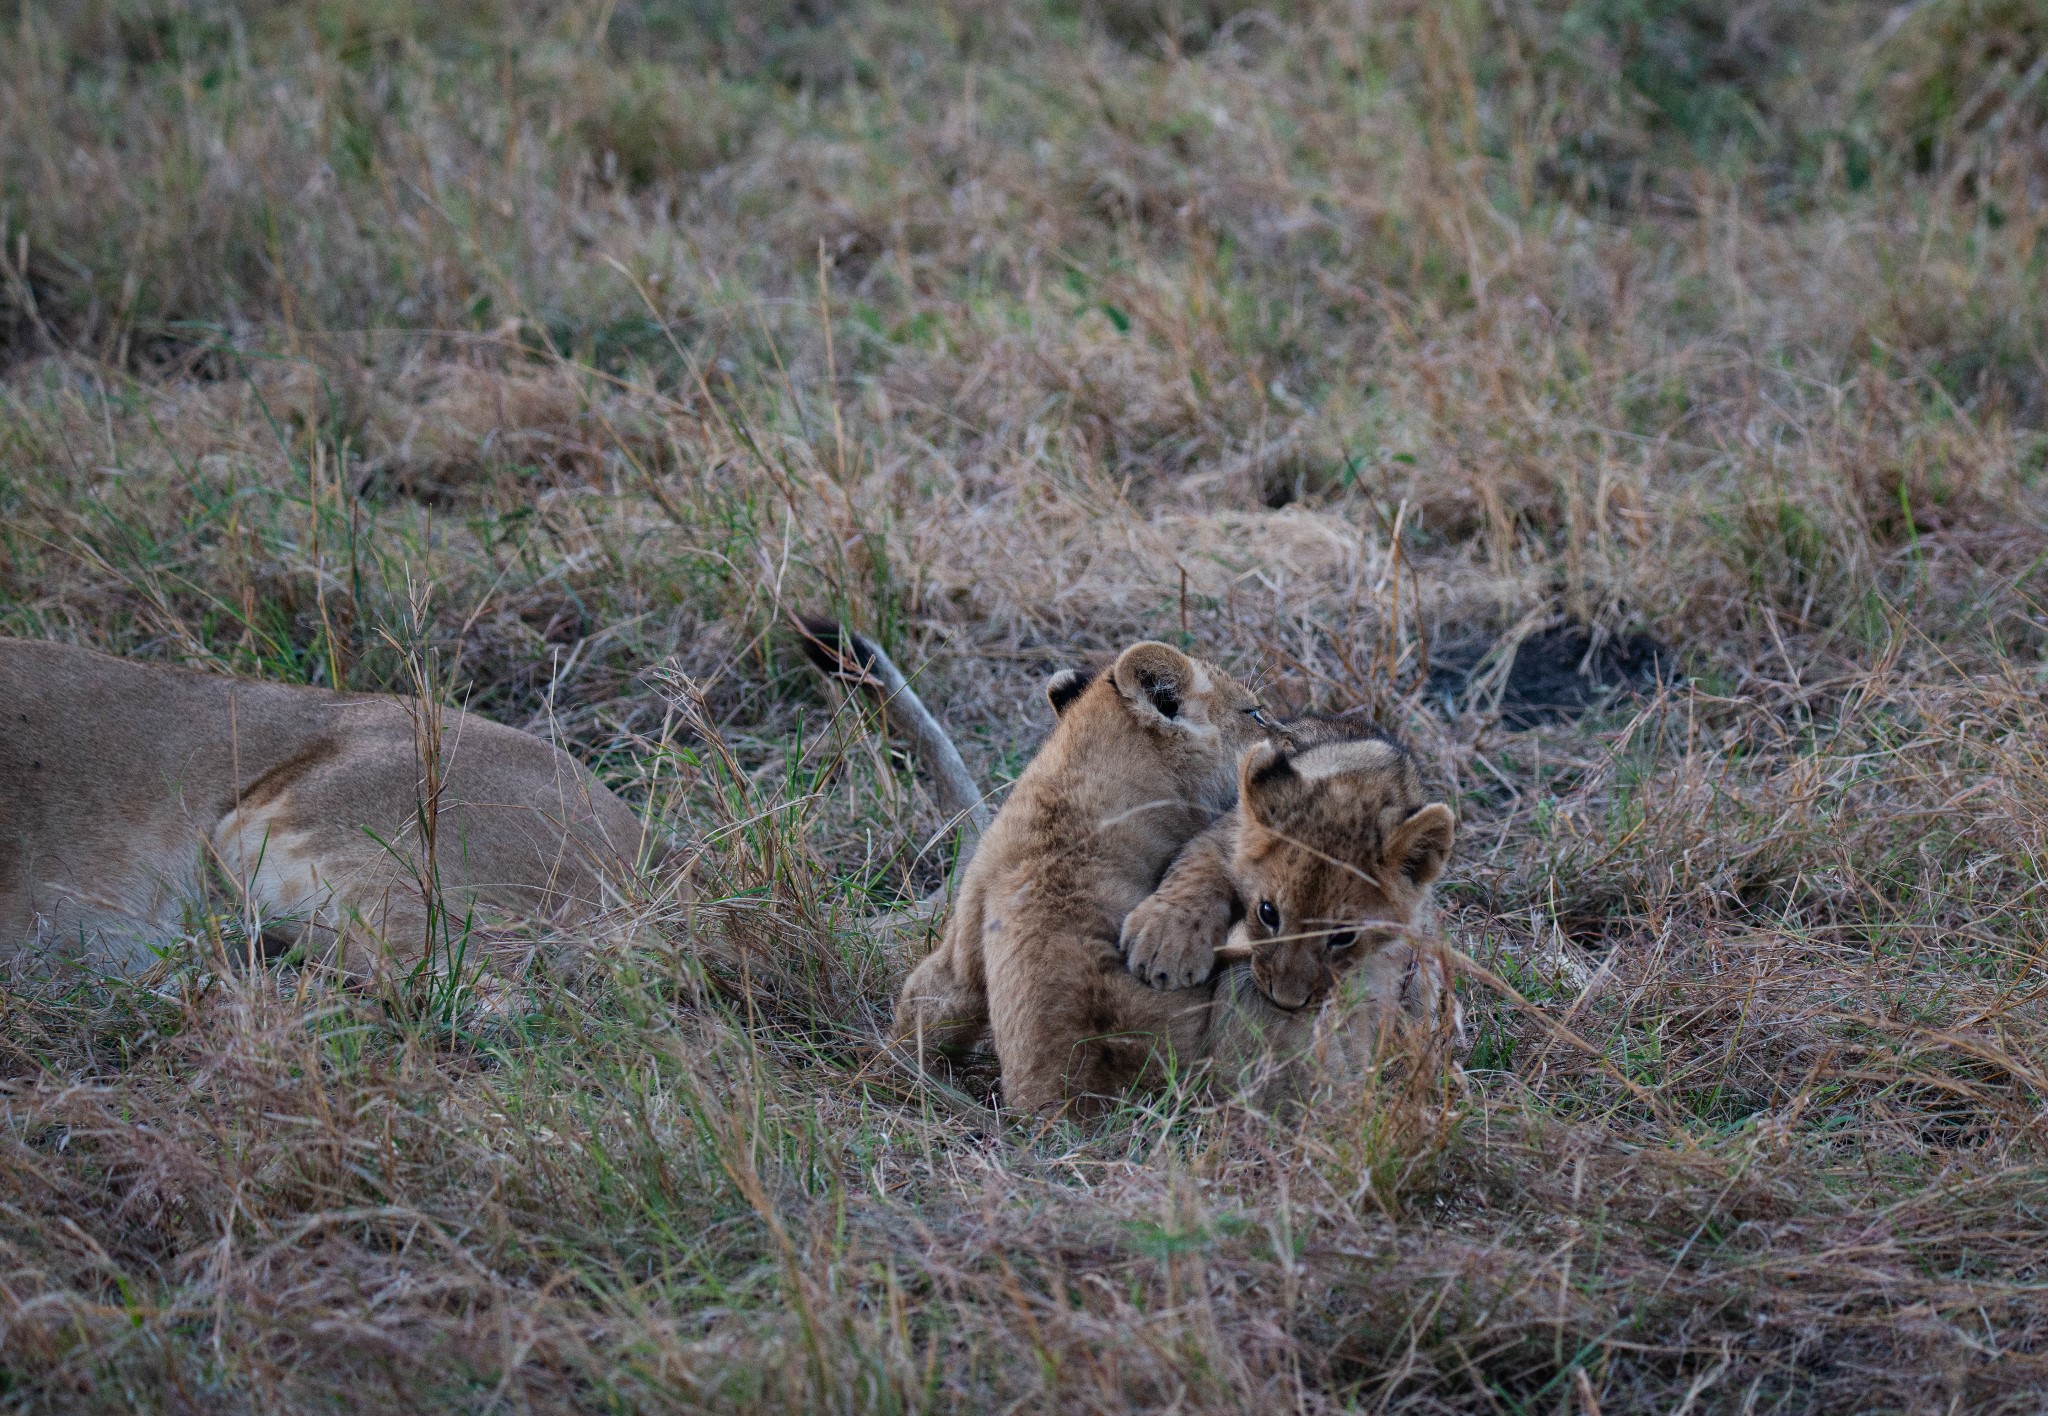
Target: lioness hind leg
(370, 907)
(940, 1011)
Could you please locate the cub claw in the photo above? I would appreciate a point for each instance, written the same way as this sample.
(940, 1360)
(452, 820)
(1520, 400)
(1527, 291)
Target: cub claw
(1167, 946)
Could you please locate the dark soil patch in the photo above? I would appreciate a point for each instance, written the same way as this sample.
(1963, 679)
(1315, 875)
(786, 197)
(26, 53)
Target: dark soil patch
(1557, 674)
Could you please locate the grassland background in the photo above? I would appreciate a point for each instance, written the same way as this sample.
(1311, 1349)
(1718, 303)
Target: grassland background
(561, 350)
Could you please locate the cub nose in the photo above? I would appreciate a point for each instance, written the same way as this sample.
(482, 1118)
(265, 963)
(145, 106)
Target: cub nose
(1292, 973)
(1291, 994)
(1298, 988)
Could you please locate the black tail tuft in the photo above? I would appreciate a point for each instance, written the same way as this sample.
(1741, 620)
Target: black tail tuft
(837, 650)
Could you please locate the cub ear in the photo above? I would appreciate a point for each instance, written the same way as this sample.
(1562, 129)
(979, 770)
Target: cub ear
(1154, 678)
(1420, 845)
(1268, 786)
(1065, 686)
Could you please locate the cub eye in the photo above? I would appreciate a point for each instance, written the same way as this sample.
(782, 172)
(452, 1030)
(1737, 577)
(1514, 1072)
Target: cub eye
(1343, 939)
(1268, 916)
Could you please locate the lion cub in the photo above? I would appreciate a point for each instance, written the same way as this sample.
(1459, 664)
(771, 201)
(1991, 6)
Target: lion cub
(1333, 834)
(1143, 758)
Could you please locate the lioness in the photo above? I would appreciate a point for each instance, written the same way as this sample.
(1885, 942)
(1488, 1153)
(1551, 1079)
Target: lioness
(1141, 759)
(349, 821)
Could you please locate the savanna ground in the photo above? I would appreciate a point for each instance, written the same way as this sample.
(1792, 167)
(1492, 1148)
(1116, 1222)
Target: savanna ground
(556, 352)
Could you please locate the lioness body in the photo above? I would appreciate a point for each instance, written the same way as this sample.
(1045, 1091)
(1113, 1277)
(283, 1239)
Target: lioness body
(120, 780)
(1143, 758)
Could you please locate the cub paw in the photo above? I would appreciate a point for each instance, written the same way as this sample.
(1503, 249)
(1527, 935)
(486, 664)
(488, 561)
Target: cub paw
(1168, 945)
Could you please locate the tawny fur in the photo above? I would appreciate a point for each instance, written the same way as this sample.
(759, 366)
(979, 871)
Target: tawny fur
(1333, 841)
(120, 780)
(1142, 759)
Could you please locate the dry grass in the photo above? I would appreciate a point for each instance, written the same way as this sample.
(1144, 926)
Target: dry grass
(1339, 337)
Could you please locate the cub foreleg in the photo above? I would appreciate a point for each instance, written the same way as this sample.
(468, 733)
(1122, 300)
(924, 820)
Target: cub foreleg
(1170, 940)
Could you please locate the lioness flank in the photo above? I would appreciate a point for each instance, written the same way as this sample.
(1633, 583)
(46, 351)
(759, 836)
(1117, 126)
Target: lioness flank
(120, 780)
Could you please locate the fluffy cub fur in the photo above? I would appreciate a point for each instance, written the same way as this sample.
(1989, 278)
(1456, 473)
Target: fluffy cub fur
(1143, 757)
(120, 781)
(1332, 835)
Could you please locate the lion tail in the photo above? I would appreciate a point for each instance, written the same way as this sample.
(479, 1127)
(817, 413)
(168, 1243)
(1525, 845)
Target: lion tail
(850, 658)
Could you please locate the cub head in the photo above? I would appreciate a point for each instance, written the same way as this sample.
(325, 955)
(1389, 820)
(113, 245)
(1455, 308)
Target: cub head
(1186, 714)
(1335, 838)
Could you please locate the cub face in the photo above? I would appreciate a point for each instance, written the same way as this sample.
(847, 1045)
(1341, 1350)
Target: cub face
(1189, 714)
(1333, 839)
